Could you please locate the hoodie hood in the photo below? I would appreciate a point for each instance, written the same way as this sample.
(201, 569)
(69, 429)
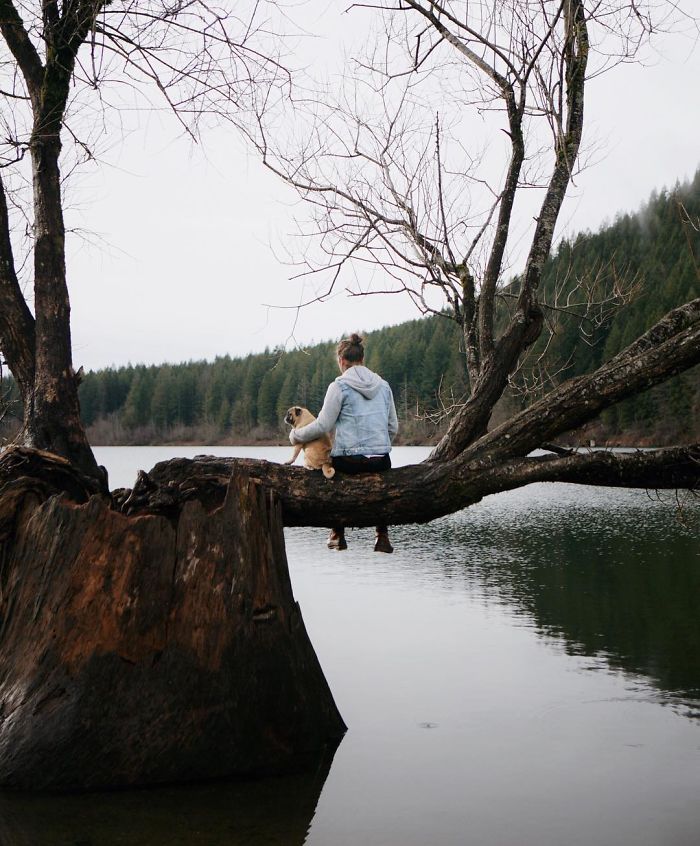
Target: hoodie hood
(362, 379)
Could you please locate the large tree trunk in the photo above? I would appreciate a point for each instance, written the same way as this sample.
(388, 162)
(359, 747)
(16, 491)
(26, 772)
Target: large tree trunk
(141, 650)
(53, 422)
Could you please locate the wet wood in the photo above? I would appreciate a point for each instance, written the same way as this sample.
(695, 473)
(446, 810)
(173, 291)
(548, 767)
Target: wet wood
(153, 648)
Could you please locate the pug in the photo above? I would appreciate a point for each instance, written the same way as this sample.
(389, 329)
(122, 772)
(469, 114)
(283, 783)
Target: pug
(317, 454)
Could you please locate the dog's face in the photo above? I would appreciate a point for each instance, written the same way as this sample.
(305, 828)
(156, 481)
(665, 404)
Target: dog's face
(298, 416)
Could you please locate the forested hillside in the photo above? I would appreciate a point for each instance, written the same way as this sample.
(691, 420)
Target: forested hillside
(654, 252)
(246, 398)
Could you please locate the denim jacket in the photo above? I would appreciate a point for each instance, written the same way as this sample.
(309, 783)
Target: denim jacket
(360, 407)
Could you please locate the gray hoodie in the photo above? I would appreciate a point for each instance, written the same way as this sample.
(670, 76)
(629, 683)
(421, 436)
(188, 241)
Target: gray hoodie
(360, 407)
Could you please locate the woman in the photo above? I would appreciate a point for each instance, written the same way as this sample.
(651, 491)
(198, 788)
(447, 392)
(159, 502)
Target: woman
(360, 407)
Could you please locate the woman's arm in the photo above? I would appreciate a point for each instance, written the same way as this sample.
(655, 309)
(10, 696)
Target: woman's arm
(393, 423)
(326, 420)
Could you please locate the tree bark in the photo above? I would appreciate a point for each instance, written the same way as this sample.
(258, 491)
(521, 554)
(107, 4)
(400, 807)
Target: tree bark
(53, 420)
(148, 649)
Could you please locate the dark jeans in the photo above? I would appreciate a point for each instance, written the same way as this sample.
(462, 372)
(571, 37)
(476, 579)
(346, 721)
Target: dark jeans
(355, 465)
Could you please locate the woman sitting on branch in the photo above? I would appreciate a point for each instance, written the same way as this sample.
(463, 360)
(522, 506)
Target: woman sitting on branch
(359, 405)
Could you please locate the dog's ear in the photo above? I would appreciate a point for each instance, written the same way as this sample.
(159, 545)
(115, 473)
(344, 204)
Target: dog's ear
(297, 410)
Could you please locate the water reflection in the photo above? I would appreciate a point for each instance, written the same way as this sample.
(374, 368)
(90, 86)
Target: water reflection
(539, 633)
(263, 812)
(612, 574)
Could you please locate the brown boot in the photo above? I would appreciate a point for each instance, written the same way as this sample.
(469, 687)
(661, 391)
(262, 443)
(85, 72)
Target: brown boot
(382, 544)
(336, 540)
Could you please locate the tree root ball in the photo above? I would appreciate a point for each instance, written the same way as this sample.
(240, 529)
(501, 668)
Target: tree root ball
(150, 649)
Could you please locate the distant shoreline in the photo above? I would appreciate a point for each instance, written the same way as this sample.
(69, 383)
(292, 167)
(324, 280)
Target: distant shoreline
(592, 436)
(610, 443)
(239, 442)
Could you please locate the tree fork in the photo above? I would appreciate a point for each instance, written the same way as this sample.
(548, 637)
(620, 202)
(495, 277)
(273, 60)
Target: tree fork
(471, 421)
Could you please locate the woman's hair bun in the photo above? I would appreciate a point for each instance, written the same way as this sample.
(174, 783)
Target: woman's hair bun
(351, 349)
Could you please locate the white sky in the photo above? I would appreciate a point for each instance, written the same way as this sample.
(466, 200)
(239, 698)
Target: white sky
(182, 266)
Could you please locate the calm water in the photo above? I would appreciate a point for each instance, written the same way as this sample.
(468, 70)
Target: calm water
(524, 673)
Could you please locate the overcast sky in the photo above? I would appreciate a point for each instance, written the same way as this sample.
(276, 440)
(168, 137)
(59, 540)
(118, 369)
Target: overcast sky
(182, 262)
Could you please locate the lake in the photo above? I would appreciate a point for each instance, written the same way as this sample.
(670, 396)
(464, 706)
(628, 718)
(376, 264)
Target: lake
(523, 673)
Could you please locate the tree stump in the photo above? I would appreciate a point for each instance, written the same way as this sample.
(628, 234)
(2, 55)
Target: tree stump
(148, 649)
